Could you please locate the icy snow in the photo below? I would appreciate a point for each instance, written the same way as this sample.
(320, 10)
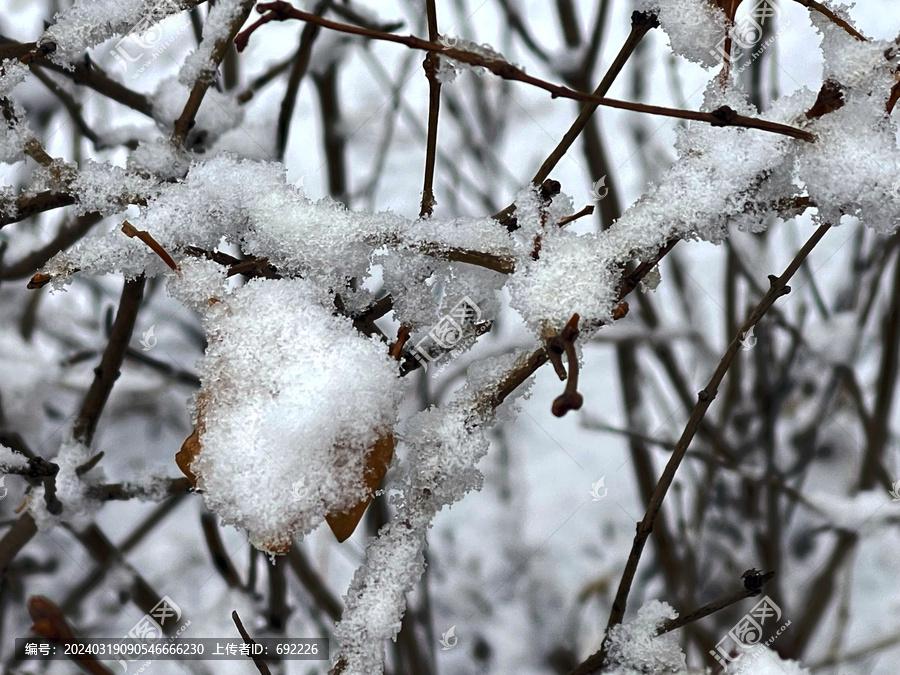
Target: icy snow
(11, 460)
(274, 408)
(634, 647)
(695, 27)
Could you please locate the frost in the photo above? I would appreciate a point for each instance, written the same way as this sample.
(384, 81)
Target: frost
(217, 27)
(274, 409)
(11, 460)
(635, 647)
(695, 28)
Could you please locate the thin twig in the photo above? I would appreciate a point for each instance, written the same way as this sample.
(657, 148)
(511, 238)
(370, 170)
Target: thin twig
(724, 116)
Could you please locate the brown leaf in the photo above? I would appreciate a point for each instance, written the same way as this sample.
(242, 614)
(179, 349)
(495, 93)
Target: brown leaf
(191, 446)
(188, 453)
(343, 524)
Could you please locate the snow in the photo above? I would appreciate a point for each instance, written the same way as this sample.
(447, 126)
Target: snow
(274, 408)
(216, 27)
(634, 647)
(11, 460)
(89, 22)
(695, 28)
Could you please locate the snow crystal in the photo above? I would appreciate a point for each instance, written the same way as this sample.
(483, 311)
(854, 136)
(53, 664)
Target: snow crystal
(89, 22)
(274, 411)
(636, 647)
(11, 460)
(107, 189)
(696, 28)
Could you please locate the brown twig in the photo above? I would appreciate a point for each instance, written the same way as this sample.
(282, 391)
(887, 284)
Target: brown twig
(431, 65)
(131, 231)
(753, 582)
(724, 116)
(257, 661)
(564, 342)
(108, 371)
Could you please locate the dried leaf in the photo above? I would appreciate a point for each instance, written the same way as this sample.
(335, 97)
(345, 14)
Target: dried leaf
(188, 453)
(344, 524)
